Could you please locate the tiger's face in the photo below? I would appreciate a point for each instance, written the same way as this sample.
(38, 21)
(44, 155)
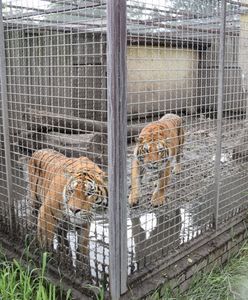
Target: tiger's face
(153, 154)
(81, 196)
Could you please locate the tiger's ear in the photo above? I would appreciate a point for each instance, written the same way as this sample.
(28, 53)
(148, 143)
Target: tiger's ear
(73, 184)
(161, 146)
(168, 141)
(85, 174)
(137, 149)
(146, 147)
(139, 140)
(68, 174)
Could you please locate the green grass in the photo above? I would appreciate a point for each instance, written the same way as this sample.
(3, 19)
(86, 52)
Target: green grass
(27, 283)
(98, 292)
(229, 282)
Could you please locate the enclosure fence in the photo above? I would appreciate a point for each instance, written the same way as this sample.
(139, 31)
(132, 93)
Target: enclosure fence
(124, 132)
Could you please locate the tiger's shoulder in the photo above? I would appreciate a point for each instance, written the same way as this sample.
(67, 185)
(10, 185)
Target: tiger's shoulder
(169, 124)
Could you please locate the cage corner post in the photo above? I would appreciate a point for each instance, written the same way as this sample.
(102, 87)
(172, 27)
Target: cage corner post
(6, 133)
(117, 144)
(221, 76)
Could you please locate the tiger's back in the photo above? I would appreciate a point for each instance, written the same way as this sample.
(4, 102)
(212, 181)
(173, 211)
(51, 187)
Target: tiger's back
(45, 164)
(169, 126)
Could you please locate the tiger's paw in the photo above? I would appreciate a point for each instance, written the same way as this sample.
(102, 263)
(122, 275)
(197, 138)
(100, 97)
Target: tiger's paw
(133, 199)
(158, 199)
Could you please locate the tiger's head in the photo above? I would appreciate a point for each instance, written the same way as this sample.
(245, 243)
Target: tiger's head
(152, 154)
(83, 193)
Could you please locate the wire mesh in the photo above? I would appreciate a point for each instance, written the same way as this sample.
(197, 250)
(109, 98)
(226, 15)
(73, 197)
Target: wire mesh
(57, 106)
(3, 181)
(184, 163)
(233, 181)
(174, 67)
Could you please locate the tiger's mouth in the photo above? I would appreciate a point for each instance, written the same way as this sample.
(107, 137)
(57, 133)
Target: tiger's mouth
(78, 218)
(152, 167)
(156, 165)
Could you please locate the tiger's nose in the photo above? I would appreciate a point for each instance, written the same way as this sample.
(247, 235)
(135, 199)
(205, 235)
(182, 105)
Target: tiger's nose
(75, 210)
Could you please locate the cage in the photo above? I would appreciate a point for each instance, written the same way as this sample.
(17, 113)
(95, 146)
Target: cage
(141, 105)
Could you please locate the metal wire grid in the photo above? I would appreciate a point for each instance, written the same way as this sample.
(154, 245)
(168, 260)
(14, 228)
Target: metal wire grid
(173, 67)
(233, 183)
(56, 80)
(56, 85)
(3, 181)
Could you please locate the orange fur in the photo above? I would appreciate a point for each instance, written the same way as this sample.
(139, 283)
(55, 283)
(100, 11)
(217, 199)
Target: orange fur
(62, 187)
(158, 143)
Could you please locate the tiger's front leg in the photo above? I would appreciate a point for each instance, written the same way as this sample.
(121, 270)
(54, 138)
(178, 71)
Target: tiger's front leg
(49, 214)
(135, 183)
(158, 197)
(84, 239)
(83, 254)
(46, 227)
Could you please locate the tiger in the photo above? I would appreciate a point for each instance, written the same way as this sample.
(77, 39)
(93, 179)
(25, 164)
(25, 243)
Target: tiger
(158, 143)
(62, 188)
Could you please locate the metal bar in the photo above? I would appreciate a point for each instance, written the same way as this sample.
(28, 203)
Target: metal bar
(6, 124)
(40, 10)
(51, 26)
(54, 11)
(219, 110)
(85, 23)
(117, 140)
(25, 7)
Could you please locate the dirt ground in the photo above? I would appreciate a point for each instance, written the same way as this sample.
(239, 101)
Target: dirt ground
(189, 206)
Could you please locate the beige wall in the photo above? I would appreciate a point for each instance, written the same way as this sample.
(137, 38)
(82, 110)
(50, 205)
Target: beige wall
(161, 79)
(243, 48)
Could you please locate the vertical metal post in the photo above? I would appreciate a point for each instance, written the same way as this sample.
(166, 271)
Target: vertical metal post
(117, 141)
(220, 109)
(3, 86)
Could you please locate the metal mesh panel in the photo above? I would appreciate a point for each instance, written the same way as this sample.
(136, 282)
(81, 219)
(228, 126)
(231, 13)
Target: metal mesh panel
(56, 89)
(233, 166)
(3, 180)
(174, 66)
(187, 133)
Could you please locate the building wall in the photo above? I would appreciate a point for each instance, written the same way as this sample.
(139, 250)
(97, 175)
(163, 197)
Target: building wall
(161, 79)
(67, 74)
(233, 98)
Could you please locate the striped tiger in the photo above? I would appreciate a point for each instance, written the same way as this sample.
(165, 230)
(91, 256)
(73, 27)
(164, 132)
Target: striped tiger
(158, 143)
(64, 188)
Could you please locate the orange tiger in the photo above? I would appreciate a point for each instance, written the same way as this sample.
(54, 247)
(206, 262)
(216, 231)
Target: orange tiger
(64, 188)
(158, 143)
